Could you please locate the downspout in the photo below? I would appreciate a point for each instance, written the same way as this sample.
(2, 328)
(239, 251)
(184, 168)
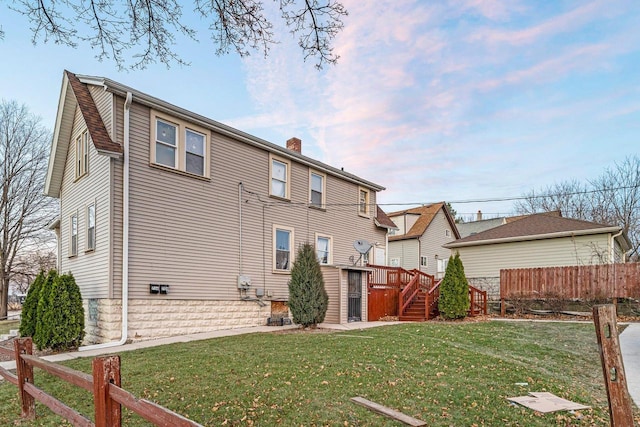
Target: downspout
(125, 236)
(240, 226)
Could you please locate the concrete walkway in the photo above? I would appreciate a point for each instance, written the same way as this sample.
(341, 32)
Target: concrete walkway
(630, 347)
(355, 326)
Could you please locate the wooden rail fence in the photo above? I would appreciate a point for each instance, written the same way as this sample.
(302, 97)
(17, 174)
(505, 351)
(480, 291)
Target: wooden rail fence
(104, 384)
(585, 282)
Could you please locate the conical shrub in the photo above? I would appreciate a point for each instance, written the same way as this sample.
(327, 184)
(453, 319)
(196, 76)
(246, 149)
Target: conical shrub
(29, 316)
(308, 299)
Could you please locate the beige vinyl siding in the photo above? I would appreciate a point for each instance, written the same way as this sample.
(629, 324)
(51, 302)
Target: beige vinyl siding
(408, 251)
(331, 277)
(104, 103)
(432, 240)
(487, 260)
(90, 269)
(184, 231)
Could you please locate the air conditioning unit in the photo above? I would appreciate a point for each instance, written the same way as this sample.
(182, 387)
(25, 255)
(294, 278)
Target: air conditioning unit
(244, 282)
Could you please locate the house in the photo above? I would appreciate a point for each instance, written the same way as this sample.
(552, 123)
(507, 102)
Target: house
(417, 244)
(479, 225)
(173, 223)
(539, 240)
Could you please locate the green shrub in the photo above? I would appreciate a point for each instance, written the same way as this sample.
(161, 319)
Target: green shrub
(454, 291)
(308, 299)
(44, 326)
(29, 314)
(67, 315)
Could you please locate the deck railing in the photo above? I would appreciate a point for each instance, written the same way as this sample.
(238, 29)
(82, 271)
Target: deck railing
(104, 384)
(478, 301)
(431, 301)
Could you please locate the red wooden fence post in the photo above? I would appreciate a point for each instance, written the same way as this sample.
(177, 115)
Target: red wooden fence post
(106, 371)
(25, 375)
(604, 318)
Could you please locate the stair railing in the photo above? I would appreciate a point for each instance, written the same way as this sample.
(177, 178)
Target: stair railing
(408, 294)
(431, 301)
(478, 301)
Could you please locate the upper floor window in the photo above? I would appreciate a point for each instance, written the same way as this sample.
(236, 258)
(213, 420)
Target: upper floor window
(447, 233)
(280, 172)
(317, 189)
(73, 246)
(424, 261)
(363, 202)
(82, 154)
(324, 249)
(282, 245)
(179, 145)
(91, 227)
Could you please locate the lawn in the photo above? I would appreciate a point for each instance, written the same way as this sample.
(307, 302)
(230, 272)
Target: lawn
(445, 374)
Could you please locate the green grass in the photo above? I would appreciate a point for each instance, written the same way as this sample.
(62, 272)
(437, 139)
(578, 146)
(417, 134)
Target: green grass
(445, 374)
(6, 325)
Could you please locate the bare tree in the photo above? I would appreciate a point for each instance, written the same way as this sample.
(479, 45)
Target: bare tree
(613, 198)
(24, 210)
(147, 30)
(27, 266)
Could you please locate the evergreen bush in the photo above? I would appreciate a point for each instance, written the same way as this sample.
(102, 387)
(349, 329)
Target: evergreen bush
(29, 314)
(454, 291)
(67, 315)
(44, 326)
(308, 299)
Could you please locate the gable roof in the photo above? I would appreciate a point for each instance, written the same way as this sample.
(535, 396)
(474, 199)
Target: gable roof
(382, 220)
(75, 92)
(536, 227)
(427, 214)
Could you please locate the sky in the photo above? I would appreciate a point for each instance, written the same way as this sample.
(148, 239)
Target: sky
(454, 100)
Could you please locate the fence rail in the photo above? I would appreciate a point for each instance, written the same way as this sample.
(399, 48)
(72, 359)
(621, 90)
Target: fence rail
(587, 282)
(104, 384)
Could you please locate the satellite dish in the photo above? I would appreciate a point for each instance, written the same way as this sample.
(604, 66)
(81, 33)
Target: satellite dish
(362, 246)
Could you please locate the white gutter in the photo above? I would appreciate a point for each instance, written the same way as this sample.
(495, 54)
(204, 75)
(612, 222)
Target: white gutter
(125, 238)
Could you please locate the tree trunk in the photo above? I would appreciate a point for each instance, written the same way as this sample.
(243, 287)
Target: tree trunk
(4, 296)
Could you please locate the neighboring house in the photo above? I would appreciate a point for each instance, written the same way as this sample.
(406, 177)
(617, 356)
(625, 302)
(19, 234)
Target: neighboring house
(173, 223)
(479, 225)
(539, 240)
(417, 244)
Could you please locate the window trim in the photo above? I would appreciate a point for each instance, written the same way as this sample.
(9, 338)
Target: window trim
(82, 154)
(73, 218)
(274, 249)
(287, 186)
(89, 247)
(329, 247)
(367, 203)
(323, 198)
(426, 261)
(181, 144)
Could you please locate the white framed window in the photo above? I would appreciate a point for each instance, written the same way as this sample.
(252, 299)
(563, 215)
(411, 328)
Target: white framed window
(442, 266)
(394, 262)
(282, 248)
(166, 143)
(363, 202)
(317, 187)
(73, 235)
(447, 233)
(324, 249)
(91, 227)
(424, 261)
(82, 154)
(280, 173)
(178, 145)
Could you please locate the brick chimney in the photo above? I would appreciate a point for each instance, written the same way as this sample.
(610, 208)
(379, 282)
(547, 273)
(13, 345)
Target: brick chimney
(294, 144)
(479, 216)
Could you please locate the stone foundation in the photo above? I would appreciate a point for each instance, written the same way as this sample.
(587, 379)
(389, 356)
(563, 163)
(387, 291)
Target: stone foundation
(151, 319)
(489, 284)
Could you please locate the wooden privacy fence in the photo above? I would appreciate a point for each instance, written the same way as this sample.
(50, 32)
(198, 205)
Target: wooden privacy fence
(104, 384)
(585, 282)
